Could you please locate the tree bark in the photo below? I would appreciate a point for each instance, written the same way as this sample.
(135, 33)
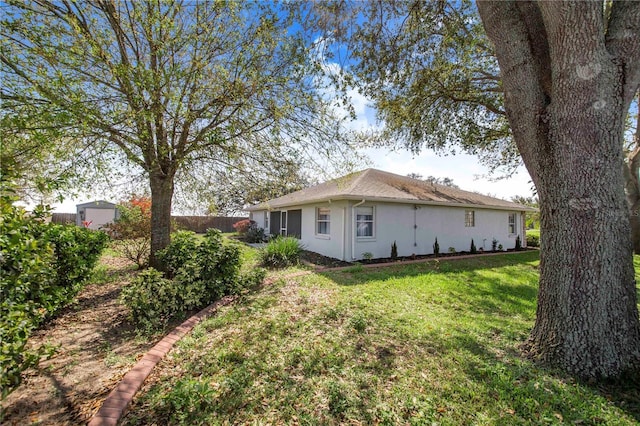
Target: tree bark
(569, 133)
(161, 198)
(632, 188)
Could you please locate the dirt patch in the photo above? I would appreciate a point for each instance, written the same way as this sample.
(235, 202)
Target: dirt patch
(96, 347)
(317, 260)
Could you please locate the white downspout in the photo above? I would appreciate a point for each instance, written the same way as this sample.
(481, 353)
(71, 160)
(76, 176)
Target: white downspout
(353, 233)
(342, 236)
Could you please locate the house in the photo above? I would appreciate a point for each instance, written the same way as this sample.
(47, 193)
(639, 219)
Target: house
(95, 214)
(361, 215)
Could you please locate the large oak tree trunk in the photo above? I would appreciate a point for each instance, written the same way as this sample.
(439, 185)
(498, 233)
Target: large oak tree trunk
(161, 197)
(587, 318)
(566, 101)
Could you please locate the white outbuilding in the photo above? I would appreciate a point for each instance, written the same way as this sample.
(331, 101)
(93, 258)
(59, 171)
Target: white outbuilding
(95, 214)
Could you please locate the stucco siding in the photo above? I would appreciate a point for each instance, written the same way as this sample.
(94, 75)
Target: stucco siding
(414, 230)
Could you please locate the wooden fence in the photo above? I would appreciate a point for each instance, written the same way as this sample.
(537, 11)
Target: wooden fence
(63, 218)
(198, 224)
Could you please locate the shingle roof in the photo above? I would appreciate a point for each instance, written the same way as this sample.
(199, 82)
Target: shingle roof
(372, 184)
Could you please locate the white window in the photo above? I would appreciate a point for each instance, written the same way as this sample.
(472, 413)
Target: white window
(266, 221)
(323, 221)
(512, 223)
(364, 221)
(469, 218)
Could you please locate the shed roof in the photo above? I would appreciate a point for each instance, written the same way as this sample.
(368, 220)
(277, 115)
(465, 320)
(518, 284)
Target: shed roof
(98, 204)
(377, 185)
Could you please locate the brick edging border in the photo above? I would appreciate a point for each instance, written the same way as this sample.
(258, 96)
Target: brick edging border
(119, 399)
(116, 403)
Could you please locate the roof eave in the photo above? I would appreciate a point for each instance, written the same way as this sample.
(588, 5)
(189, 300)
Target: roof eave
(267, 206)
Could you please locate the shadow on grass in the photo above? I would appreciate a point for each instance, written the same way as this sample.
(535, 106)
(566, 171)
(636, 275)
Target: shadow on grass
(530, 392)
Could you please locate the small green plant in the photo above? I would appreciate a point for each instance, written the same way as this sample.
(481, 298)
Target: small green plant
(281, 252)
(357, 267)
(338, 399)
(452, 250)
(394, 251)
(518, 243)
(367, 255)
(533, 240)
(473, 249)
(187, 401)
(358, 322)
(500, 248)
(494, 244)
(436, 248)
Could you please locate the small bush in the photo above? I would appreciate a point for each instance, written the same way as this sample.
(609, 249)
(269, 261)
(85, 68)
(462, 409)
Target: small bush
(394, 251)
(132, 230)
(255, 235)
(152, 299)
(452, 250)
(436, 248)
(500, 248)
(281, 252)
(473, 249)
(243, 226)
(494, 244)
(179, 252)
(533, 241)
(203, 273)
(518, 243)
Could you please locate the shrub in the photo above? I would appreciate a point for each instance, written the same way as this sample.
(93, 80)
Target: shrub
(203, 273)
(533, 241)
(243, 226)
(255, 235)
(179, 252)
(500, 248)
(281, 252)
(518, 243)
(473, 249)
(394, 251)
(132, 230)
(436, 248)
(452, 250)
(494, 244)
(42, 268)
(152, 299)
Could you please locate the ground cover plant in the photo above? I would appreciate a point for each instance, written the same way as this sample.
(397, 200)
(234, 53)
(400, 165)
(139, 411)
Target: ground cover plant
(435, 342)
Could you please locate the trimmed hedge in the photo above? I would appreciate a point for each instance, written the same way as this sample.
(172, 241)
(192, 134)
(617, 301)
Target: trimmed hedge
(43, 266)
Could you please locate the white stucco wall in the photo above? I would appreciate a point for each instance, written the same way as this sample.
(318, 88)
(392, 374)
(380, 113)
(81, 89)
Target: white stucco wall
(395, 222)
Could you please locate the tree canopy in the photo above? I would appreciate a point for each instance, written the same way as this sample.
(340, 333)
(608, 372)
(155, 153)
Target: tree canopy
(176, 86)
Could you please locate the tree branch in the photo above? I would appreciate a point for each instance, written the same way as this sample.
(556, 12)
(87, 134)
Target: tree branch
(525, 99)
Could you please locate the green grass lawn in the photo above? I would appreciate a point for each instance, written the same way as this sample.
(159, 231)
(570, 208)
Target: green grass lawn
(432, 343)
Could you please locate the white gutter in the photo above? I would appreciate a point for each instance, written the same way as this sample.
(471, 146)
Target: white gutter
(353, 233)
